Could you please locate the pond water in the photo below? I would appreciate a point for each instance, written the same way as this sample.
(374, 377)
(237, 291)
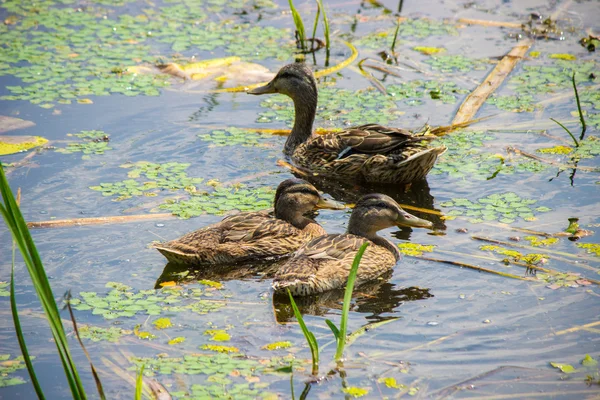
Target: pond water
(450, 332)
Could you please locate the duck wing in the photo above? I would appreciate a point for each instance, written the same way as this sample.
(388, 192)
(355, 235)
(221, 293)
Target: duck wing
(249, 227)
(331, 247)
(377, 139)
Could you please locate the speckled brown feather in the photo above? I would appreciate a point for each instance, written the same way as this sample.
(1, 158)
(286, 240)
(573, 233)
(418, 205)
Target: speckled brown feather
(241, 237)
(324, 264)
(372, 153)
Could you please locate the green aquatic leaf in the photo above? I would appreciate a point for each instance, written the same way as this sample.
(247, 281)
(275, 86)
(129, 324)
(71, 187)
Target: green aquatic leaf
(566, 368)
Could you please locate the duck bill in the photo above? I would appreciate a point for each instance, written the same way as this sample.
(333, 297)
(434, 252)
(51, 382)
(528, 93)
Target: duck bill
(268, 88)
(407, 219)
(330, 204)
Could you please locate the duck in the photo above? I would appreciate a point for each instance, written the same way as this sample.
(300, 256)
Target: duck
(254, 236)
(370, 153)
(324, 263)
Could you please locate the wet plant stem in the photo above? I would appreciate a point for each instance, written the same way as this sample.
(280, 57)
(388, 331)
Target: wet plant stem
(59, 223)
(314, 31)
(568, 131)
(556, 164)
(581, 118)
(536, 249)
(474, 267)
(396, 33)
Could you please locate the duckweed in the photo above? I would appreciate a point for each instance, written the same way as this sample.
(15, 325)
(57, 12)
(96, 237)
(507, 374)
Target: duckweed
(456, 63)
(415, 249)
(9, 366)
(95, 142)
(592, 248)
(231, 137)
(98, 333)
(122, 301)
(505, 208)
(220, 201)
(515, 103)
(415, 28)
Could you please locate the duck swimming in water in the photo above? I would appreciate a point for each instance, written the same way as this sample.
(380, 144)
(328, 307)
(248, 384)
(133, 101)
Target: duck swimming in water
(254, 236)
(324, 263)
(369, 153)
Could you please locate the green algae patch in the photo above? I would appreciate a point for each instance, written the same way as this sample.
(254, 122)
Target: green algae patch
(391, 383)
(212, 284)
(18, 144)
(355, 392)
(415, 249)
(176, 340)
(408, 28)
(7, 367)
(94, 142)
(98, 333)
(218, 335)
(592, 248)
(277, 345)
(563, 56)
(556, 150)
(505, 208)
(122, 302)
(220, 349)
(162, 323)
(535, 241)
(232, 136)
(456, 63)
(514, 103)
(220, 201)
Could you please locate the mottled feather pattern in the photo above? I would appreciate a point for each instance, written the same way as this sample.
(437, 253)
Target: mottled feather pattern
(373, 153)
(324, 264)
(242, 237)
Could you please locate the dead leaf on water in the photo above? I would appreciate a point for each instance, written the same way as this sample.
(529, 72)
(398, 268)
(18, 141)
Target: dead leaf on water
(17, 144)
(10, 123)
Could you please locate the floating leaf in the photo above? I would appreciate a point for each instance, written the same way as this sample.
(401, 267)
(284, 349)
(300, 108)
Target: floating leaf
(220, 349)
(429, 50)
(162, 323)
(415, 249)
(391, 383)
(17, 144)
(176, 340)
(277, 345)
(355, 392)
(563, 56)
(566, 368)
(588, 361)
(213, 284)
(592, 248)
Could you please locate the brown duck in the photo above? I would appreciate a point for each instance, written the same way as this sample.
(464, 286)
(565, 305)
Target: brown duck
(254, 236)
(371, 153)
(324, 263)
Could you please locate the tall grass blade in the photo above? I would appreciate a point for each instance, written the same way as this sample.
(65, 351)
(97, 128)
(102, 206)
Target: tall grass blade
(568, 131)
(334, 329)
(314, 32)
(325, 26)
(16, 223)
(19, 331)
(347, 299)
(292, 382)
(583, 126)
(139, 383)
(299, 25)
(94, 373)
(310, 337)
(395, 36)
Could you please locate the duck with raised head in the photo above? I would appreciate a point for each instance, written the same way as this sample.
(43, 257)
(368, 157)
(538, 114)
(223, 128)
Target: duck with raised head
(254, 236)
(324, 263)
(370, 153)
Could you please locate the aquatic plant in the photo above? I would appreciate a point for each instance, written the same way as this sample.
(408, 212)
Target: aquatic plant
(301, 36)
(8, 366)
(310, 337)
(505, 207)
(21, 236)
(449, 63)
(408, 28)
(232, 136)
(95, 142)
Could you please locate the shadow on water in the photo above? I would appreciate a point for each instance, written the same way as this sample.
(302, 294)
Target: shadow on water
(374, 298)
(417, 195)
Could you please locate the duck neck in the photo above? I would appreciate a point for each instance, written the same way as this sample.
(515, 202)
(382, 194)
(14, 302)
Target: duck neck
(305, 106)
(375, 238)
(293, 217)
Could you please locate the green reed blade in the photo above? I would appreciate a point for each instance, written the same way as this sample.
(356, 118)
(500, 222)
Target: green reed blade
(334, 329)
(310, 337)
(583, 126)
(347, 299)
(299, 25)
(139, 383)
(19, 332)
(568, 131)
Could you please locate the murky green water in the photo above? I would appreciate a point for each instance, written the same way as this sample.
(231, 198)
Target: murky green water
(458, 333)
